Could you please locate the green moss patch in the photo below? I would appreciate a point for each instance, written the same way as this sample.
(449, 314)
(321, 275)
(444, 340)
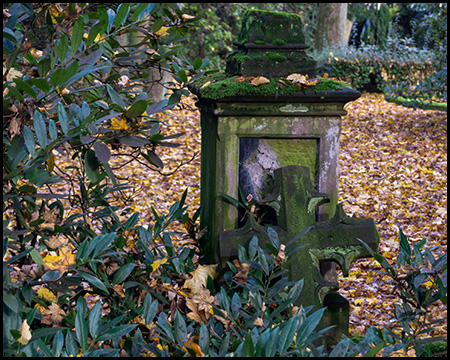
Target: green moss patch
(426, 105)
(219, 86)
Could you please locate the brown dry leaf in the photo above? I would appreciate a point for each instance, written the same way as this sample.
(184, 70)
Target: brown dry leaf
(200, 276)
(25, 333)
(259, 81)
(281, 256)
(258, 322)
(298, 79)
(193, 346)
(56, 241)
(242, 274)
(61, 262)
(52, 315)
(30, 272)
(240, 78)
(119, 289)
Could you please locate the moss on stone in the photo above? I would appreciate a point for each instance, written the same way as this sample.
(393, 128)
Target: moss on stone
(279, 42)
(275, 57)
(238, 58)
(221, 85)
(256, 25)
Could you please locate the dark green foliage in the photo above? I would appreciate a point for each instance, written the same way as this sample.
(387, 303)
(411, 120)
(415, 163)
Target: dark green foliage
(420, 280)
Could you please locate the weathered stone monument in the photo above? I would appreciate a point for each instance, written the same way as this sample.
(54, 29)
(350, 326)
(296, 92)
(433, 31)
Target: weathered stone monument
(274, 135)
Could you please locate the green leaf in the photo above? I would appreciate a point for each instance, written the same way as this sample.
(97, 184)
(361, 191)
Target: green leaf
(93, 32)
(71, 346)
(81, 325)
(180, 328)
(94, 319)
(139, 9)
(340, 350)
(58, 77)
(63, 118)
(92, 167)
(41, 84)
(95, 281)
(404, 244)
(150, 310)
(62, 47)
(153, 159)
(117, 331)
(248, 349)
(137, 344)
(99, 244)
(203, 339)
(197, 63)
(77, 34)
(182, 75)
(122, 13)
(40, 128)
(23, 85)
(123, 273)
(76, 114)
(52, 130)
(136, 109)
(30, 143)
(287, 334)
(58, 343)
(274, 239)
(102, 152)
(134, 141)
(115, 97)
(11, 301)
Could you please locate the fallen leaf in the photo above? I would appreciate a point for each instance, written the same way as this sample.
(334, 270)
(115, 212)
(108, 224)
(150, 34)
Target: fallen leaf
(157, 263)
(52, 315)
(200, 276)
(47, 294)
(56, 241)
(61, 262)
(259, 81)
(193, 346)
(121, 124)
(25, 333)
(242, 274)
(281, 256)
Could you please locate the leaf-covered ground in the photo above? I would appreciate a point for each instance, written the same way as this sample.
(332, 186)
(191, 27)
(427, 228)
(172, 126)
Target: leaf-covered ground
(393, 168)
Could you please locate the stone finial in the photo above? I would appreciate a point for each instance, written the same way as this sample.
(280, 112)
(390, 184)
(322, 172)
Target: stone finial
(271, 44)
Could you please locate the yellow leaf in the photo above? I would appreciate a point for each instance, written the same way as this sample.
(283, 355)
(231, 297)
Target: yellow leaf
(121, 124)
(162, 32)
(200, 276)
(359, 301)
(25, 333)
(61, 262)
(259, 81)
(51, 163)
(193, 346)
(47, 294)
(37, 54)
(55, 11)
(156, 263)
(119, 290)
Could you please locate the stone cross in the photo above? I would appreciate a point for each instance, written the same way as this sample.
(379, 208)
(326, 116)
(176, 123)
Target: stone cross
(294, 201)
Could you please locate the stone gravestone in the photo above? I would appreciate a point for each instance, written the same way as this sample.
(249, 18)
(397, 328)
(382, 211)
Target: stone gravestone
(278, 142)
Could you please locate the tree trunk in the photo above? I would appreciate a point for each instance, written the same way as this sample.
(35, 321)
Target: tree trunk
(331, 25)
